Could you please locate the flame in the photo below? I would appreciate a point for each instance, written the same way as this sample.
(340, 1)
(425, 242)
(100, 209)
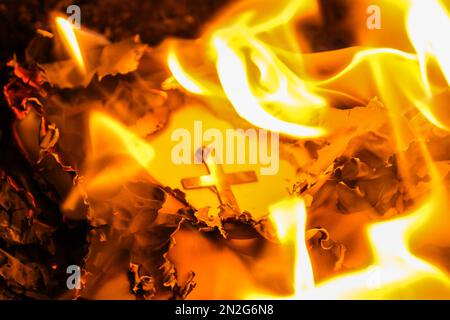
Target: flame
(262, 71)
(116, 153)
(214, 174)
(428, 26)
(67, 32)
(254, 61)
(182, 77)
(256, 81)
(231, 70)
(104, 129)
(289, 217)
(396, 272)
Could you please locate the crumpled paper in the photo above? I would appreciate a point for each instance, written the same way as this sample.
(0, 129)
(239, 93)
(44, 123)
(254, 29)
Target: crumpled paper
(101, 58)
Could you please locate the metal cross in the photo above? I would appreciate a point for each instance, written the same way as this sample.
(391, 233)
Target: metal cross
(219, 181)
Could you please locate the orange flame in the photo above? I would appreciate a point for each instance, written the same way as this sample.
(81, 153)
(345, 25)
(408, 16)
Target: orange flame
(67, 32)
(256, 80)
(253, 61)
(266, 82)
(115, 154)
(104, 129)
(396, 272)
(428, 26)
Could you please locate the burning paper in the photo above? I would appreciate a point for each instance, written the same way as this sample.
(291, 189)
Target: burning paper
(242, 164)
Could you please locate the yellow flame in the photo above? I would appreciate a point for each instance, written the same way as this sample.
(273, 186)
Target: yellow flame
(260, 70)
(396, 272)
(66, 29)
(104, 129)
(182, 77)
(289, 217)
(214, 174)
(114, 155)
(237, 88)
(258, 82)
(428, 26)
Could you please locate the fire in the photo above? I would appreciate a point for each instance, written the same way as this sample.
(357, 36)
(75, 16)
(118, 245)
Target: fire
(253, 61)
(395, 272)
(67, 32)
(105, 129)
(428, 25)
(182, 77)
(115, 155)
(266, 81)
(231, 70)
(289, 217)
(256, 81)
